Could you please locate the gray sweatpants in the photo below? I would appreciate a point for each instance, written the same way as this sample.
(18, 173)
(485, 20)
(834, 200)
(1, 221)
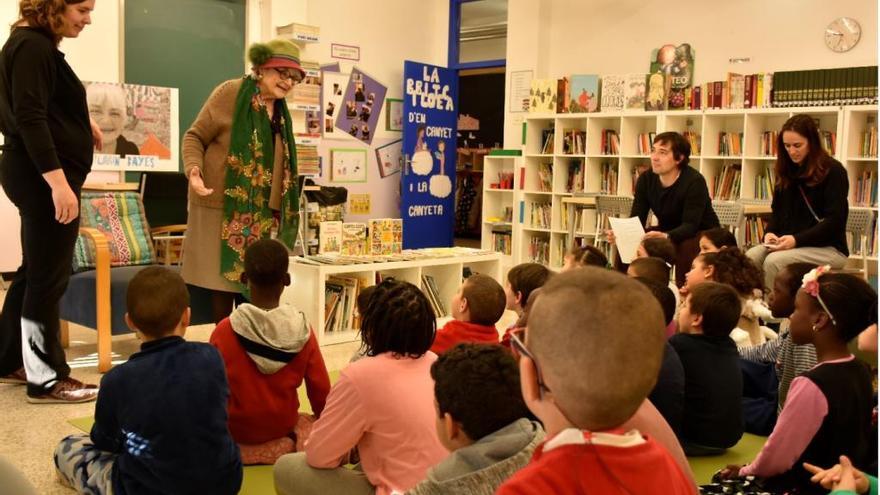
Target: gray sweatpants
(774, 261)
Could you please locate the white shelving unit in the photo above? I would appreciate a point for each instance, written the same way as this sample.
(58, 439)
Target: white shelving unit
(847, 123)
(496, 200)
(307, 290)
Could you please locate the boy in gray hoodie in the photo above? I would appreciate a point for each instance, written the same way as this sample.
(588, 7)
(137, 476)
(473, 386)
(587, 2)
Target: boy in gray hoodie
(481, 419)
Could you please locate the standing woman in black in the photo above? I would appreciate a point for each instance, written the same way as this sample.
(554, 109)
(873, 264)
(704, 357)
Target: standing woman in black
(48, 153)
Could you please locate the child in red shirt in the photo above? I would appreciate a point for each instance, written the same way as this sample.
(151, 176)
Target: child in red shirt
(578, 379)
(521, 281)
(476, 307)
(269, 349)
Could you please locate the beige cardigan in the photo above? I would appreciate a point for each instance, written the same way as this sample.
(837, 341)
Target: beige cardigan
(206, 145)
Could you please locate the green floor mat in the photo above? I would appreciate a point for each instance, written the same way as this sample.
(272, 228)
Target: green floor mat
(743, 452)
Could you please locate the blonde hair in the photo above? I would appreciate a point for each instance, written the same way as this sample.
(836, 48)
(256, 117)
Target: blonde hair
(44, 14)
(114, 94)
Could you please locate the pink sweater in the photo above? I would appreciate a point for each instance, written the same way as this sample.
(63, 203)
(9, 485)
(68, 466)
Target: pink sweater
(384, 406)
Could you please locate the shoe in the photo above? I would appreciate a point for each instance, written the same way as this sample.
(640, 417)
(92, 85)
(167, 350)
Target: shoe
(17, 377)
(66, 391)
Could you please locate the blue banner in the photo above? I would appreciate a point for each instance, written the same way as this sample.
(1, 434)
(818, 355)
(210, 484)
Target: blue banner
(427, 193)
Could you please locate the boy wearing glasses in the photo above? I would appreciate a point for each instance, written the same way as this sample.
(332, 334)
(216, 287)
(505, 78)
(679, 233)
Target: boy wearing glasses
(578, 376)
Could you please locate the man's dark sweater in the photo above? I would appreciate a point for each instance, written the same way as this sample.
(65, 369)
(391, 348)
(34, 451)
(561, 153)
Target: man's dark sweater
(43, 112)
(791, 216)
(164, 413)
(682, 209)
(712, 390)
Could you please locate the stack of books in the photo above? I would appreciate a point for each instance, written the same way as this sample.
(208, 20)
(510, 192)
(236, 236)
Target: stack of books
(340, 303)
(824, 87)
(868, 143)
(539, 214)
(608, 183)
(548, 138)
(610, 142)
(866, 189)
(545, 177)
(646, 141)
(694, 139)
(769, 141)
(539, 251)
(573, 142)
(429, 287)
(726, 184)
(730, 143)
(765, 184)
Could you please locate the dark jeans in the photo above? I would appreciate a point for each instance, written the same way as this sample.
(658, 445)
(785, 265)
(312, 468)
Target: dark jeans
(30, 311)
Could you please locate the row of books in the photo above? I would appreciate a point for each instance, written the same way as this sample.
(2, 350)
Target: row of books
(340, 303)
(753, 231)
(429, 287)
(574, 142)
(841, 86)
(638, 170)
(505, 181)
(765, 184)
(726, 184)
(307, 93)
(769, 141)
(383, 236)
(502, 241)
(646, 142)
(855, 247)
(694, 139)
(608, 178)
(738, 91)
(308, 161)
(547, 138)
(868, 143)
(865, 193)
(584, 221)
(545, 177)
(405, 255)
(540, 215)
(730, 143)
(575, 180)
(610, 144)
(829, 141)
(539, 250)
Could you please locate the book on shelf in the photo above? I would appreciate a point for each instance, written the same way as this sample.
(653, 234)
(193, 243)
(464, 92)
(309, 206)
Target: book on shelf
(574, 142)
(584, 221)
(539, 250)
(540, 215)
(545, 177)
(765, 183)
(613, 93)
(825, 87)
(429, 287)
(646, 141)
(634, 91)
(563, 95)
(505, 181)
(855, 243)
(829, 141)
(343, 311)
(637, 171)
(386, 236)
(694, 139)
(769, 143)
(753, 230)
(730, 143)
(330, 237)
(610, 144)
(308, 162)
(307, 93)
(354, 239)
(736, 95)
(542, 96)
(677, 98)
(868, 143)
(865, 193)
(608, 183)
(575, 181)
(548, 137)
(726, 184)
(584, 93)
(655, 91)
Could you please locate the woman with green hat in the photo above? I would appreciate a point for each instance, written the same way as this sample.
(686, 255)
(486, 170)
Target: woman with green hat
(240, 158)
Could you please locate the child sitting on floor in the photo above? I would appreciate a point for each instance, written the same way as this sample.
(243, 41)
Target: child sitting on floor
(712, 421)
(269, 349)
(160, 420)
(657, 247)
(732, 267)
(476, 307)
(651, 268)
(382, 406)
(581, 256)
(481, 419)
(521, 281)
(828, 409)
(714, 240)
(576, 377)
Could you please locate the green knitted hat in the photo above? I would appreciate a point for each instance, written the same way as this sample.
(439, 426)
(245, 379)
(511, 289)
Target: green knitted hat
(275, 53)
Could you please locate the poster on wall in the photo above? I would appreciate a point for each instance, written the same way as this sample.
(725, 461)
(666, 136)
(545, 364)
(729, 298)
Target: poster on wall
(348, 165)
(361, 105)
(140, 126)
(427, 202)
(389, 158)
(333, 88)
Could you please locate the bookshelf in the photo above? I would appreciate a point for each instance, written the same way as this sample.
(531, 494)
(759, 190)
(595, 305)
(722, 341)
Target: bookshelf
(499, 183)
(307, 292)
(851, 132)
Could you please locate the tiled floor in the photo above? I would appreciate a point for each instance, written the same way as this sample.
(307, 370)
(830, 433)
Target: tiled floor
(29, 433)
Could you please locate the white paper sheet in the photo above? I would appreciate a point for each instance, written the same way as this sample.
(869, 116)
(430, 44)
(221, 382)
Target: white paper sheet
(628, 233)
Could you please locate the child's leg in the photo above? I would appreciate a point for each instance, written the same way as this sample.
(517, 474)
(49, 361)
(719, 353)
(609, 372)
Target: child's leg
(302, 430)
(293, 475)
(266, 453)
(83, 467)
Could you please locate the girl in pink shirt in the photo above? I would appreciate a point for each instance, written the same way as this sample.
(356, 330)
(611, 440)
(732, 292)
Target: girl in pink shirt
(381, 410)
(827, 412)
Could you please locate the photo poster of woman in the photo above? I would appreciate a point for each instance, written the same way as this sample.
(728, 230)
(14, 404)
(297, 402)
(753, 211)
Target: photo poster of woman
(430, 116)
(361, 105)
(139, 123)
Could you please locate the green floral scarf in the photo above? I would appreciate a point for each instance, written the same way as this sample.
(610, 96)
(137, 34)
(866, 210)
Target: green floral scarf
(247, 217)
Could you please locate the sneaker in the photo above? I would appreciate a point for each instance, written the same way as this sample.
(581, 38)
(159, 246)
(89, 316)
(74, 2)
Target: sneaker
(17, 377)
(66, 391)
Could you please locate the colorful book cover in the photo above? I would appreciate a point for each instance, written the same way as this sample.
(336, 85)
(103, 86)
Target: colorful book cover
(386, 236)
(676, 62)
(542, 96)
(613, 93)
(330, 237)
(736, 87)
(563, 94)
(655, 98)
(634, 91)
(584, 90)
(354, 239)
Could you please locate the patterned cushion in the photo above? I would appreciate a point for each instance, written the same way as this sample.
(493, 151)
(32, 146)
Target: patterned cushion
(119, 216)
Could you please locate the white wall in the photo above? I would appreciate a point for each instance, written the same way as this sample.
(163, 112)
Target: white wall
(387, 33)
(617, 36)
